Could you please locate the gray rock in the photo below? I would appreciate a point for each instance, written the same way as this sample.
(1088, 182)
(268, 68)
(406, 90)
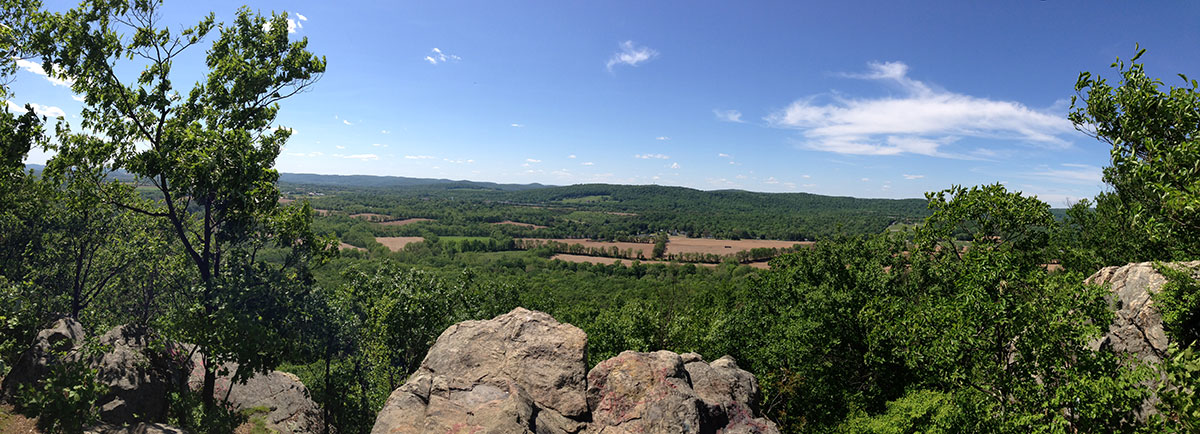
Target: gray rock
(141, 428)
(286, 402)
(640, 392)
(138, 377)
(55, 344)
(1137, 328)
(522, 372)
(659, 392)
(519, 372)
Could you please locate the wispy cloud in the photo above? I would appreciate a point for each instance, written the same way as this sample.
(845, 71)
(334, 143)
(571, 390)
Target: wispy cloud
(379, 145)
(631, 55)
(419, 157)
(439, 56)
(384, 132)
(1079, 174)
(572, 156)
(532, 160)
(363, 157)
(517, 125)
(36, 68)
(587, 163)
(922, 121)
(654, 156)
(41, 110)
(728, 115)
(724, 155)
(674, 165)
(301, 17)
(346, 122)
(907, 176)
(662, 138)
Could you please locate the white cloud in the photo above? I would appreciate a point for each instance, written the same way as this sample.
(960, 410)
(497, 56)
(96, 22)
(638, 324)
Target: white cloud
(572, 156)
(588, 163)
(36, 68)
(724, 155)
(346, 122)
(650, 156)
(907, 176)
(662, 138)
(363, 157)
(771, 180)
(439, 56)
(630, 55)
(419, 157)
(531, 160)
(41, 110)
(384, 132)
(339, 146)
(517, 125)
(806, 176)
(77, 98)
(728, 115)
(674, 165)
(301, 17)
(1080, 174)
(922, 121)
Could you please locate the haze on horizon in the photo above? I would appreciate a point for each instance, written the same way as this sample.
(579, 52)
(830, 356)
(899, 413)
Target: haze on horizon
(885, 100)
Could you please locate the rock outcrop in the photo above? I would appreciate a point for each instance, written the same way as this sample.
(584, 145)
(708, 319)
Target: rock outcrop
(50, 346)
(1137, 328)
(523, 372)
(139, 378)
(286, 403)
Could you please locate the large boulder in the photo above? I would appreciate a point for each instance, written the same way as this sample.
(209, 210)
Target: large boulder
(52, 345)
(282, 399)
(667, 393)
(519, 372)
(1137, 328)
(523, 372)
(139, 375)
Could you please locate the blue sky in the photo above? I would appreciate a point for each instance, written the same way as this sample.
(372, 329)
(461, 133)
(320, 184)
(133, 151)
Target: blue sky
(867, 99)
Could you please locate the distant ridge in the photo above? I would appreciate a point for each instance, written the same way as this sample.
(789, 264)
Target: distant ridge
(372, 181)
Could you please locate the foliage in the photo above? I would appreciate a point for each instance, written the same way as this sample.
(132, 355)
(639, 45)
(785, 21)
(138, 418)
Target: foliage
(64, 401)
(1180, 407)
(1179, 303)
(1155, 139)
(923, 411)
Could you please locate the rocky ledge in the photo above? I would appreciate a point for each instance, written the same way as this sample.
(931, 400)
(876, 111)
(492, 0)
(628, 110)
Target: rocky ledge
(524, 372)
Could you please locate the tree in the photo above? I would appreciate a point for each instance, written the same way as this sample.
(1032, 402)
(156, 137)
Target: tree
(208, 154)
(1155, 139)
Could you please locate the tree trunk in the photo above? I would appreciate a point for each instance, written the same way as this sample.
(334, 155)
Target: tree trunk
(209, 389)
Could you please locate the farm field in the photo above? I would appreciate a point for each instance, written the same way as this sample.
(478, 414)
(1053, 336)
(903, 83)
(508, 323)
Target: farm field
(397, 243)
(679, 244)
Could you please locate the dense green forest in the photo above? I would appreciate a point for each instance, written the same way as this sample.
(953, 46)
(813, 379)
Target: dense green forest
(610, 212)
(867, 331)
